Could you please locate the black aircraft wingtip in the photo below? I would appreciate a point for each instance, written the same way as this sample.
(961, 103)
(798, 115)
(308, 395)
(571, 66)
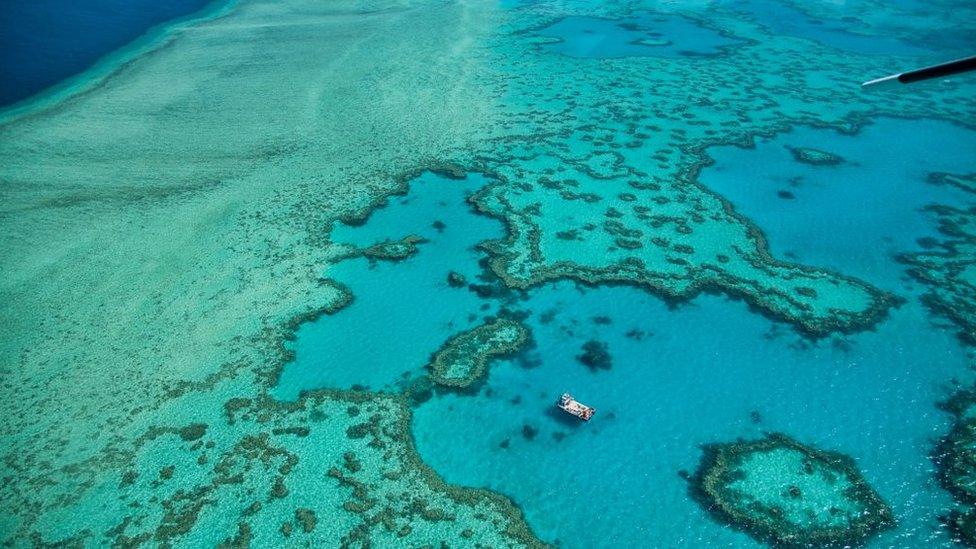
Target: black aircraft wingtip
(935, 71)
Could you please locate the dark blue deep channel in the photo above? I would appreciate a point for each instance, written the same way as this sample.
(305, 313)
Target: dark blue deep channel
(42, 42)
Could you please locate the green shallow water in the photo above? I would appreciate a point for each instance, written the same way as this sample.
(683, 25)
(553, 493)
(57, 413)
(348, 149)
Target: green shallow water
(200, 343)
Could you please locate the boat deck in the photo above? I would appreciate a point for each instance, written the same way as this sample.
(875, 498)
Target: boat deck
(574, 407)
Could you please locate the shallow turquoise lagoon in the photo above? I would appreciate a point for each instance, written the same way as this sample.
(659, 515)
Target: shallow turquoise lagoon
(846, 35)
(710, 370)
(713, 370)
(646, 35)
(402, 311)
(856, 216)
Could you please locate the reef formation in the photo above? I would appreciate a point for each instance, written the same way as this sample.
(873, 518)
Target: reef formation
(608, 194)
(955, 459)
(595, 356)
(394, 250)
(653, 240)
(949, 271)
(140, 346)
(157, 278)
(966, 182)
(464, 359)
(249, 466)
(815, 157)
(789, 494)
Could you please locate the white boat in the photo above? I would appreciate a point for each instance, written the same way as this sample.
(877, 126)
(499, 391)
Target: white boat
(574, 407)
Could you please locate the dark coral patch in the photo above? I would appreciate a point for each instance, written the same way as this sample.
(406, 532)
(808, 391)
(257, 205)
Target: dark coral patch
(456, 280)
(955, 460)
(193, 432)
(394, 250)
(595, 356)
(815, 157)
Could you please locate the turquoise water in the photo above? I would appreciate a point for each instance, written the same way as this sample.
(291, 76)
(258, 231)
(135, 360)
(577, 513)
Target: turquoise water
(856, 216)
(710, 370)
(404, 310)
(843, 35)
(697, 379)
(701, 189)
(646, 35)
(894, 34)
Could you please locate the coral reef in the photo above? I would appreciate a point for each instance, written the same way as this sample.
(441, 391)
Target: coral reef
(949, 272)
(679, 263)
(464, 358)
(595, 356)
(386, 494)
(158, 276)
(783, 492)
(609, 194)
(456, 280)
(815, 157)
(394, 250)
(955, 459)
(966, 182)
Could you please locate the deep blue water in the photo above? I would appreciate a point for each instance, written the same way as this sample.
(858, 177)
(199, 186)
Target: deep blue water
(42, 42)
